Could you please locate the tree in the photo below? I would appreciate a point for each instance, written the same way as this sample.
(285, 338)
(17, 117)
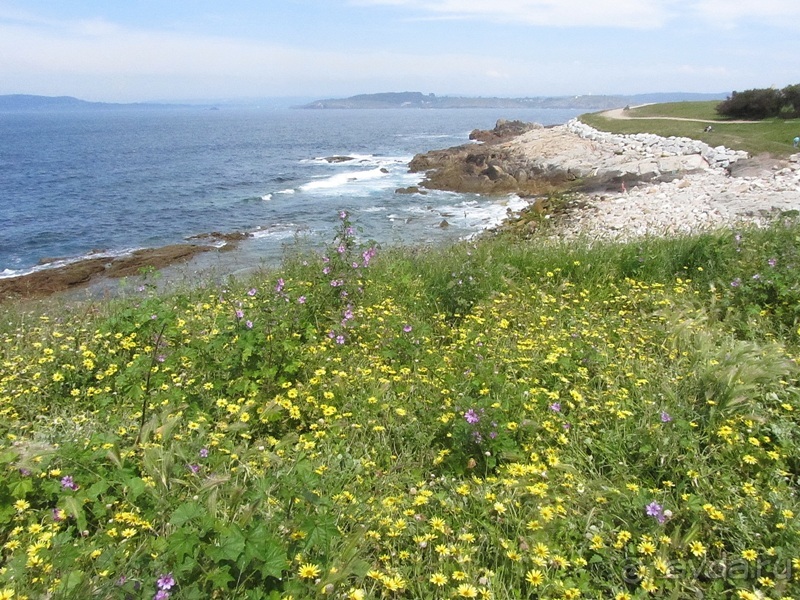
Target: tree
(752, 104)
(791, 99)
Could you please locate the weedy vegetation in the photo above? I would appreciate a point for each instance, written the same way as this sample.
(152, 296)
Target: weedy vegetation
(495, 419)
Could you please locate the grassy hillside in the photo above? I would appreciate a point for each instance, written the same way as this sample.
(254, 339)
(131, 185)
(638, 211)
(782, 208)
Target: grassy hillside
(498, 419)
(773, 136)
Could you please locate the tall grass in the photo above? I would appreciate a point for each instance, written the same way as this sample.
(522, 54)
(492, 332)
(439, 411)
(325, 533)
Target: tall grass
(494, 419)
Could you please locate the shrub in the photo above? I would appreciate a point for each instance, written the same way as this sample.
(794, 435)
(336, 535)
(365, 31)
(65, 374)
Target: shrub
(752, 104)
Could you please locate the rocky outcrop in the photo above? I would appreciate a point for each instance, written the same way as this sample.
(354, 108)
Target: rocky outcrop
(504, 130)
(700, 201)
(573, 156)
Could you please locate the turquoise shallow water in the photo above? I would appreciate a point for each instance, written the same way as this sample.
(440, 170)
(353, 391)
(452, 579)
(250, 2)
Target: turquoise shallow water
(72, 183)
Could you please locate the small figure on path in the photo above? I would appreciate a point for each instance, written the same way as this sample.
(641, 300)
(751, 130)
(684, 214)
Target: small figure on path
(708, 129)
(796, 141)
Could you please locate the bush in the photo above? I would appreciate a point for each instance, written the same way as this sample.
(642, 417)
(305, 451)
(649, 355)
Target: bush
(791, 99)
(752, 104)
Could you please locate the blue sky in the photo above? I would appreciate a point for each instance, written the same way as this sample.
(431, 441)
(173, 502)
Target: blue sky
(144, 50)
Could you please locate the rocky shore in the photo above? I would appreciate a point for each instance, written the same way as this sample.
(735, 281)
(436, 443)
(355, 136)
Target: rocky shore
(63, 275)
(623, 186)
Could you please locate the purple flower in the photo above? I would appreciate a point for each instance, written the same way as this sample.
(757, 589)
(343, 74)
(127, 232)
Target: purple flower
(471, 417)
(301, 300)
(194, 468)
(555, 407)
(665, 417)
(340, 339)
(252, 291)
(68, 483)
(772, 262)
(326, 270)
(341, 249)
(161, 595)
(343, 214)
(203, 452)
(165, 582)
(279, 285)
(58, 515)
(407, 328)
(654, 509)
(239, 313)
(736, 282)
(248, 324)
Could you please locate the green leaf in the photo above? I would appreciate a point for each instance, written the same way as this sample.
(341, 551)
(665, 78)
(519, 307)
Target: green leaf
(266, 552)
(75, 510)
(230, 544)
(184, 542)
(185, 513)
(7, 456)
(21, 488)
(220, 577)
(136, 487)
(72, 580)
(320, 530)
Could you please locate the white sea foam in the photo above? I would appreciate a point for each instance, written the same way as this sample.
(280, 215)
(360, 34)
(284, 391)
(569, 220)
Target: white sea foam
(283, 231)
(6, 273)
(286, 191)
(344, 180)
(266, 197)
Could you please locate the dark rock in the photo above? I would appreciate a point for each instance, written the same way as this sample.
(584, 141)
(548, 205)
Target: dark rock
(338, 159)
(503, 131)
(444, 224)
(412, 189)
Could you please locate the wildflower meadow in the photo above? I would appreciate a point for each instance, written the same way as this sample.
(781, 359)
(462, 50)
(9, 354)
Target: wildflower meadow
(501, 418)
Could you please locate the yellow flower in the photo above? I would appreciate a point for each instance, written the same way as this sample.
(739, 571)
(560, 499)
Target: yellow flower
(309, 571)
(697, 548)
(6, 594)
(749, 555)
(534, 577)
(646, 548)
(21, 505)
(465, 590)
(438, 579)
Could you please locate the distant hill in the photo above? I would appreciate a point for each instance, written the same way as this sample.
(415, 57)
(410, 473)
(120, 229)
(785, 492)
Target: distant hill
(27, 102)
(420, 100)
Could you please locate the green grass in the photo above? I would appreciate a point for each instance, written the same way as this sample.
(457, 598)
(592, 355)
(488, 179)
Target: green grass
(772, 136)
(495, 419)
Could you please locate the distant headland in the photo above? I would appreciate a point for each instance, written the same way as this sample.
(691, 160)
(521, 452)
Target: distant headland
(30, 102)
(420, 100)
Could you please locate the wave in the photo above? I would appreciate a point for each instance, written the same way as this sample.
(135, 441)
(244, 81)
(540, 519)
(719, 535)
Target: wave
(344, 180)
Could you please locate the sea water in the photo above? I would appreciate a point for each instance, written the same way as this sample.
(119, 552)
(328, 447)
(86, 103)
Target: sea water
(79, 182)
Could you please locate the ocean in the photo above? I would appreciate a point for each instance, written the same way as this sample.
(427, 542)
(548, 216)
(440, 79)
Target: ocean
(79, 182)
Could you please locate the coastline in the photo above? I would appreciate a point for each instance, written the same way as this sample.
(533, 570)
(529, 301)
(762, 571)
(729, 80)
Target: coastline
(623, 186)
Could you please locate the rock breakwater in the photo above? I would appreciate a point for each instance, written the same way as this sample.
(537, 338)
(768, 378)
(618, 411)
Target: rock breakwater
(625, 186)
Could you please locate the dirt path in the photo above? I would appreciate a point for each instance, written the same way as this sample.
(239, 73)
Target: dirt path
(621, 113)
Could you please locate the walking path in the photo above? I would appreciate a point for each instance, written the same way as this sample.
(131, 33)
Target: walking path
(622, 114)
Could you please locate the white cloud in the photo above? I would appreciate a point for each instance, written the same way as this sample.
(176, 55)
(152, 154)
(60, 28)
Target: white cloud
(106, 56)
(730, 13)
(630, 14)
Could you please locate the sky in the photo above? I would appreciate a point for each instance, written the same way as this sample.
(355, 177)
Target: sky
(183, 50)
